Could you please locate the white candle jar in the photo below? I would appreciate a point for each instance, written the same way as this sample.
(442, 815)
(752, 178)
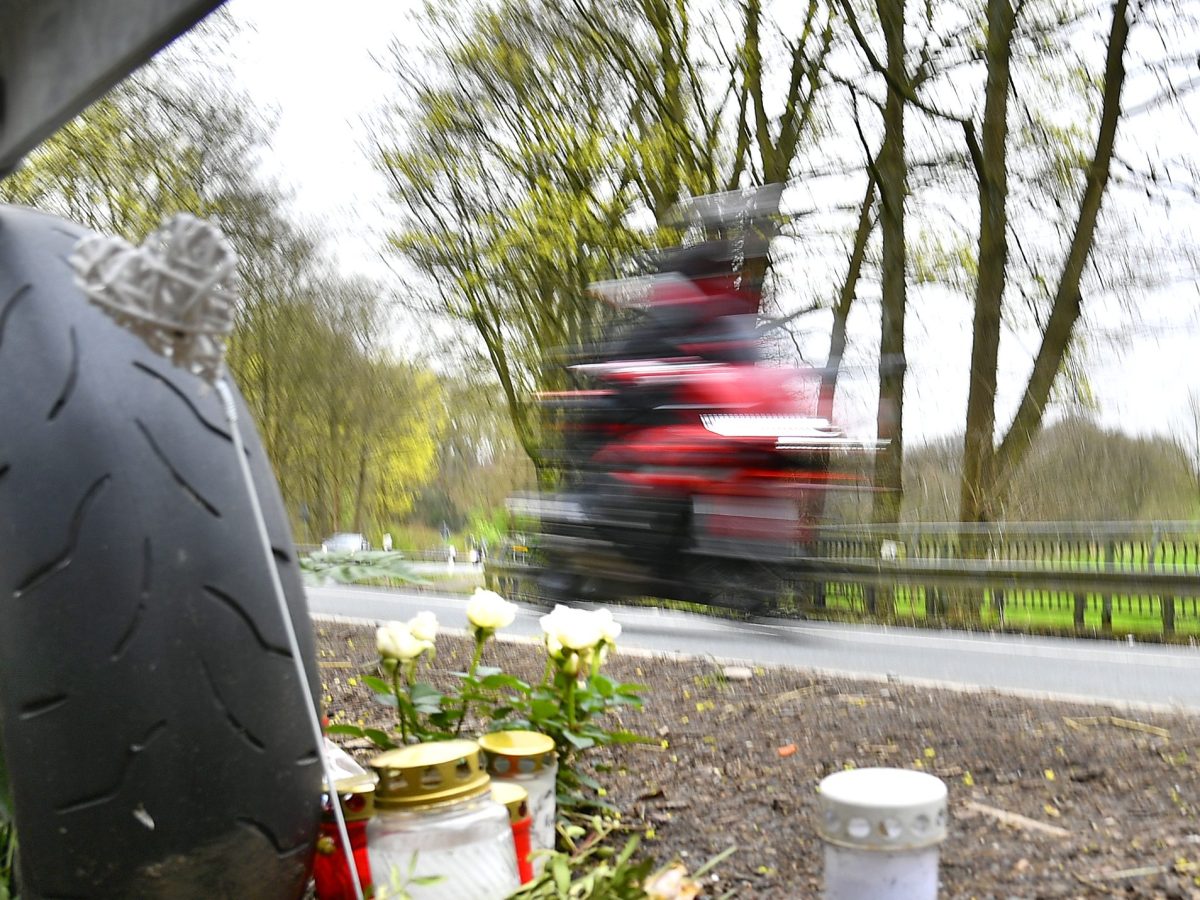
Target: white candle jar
(881, 829)
(435, 816)
(528, 758)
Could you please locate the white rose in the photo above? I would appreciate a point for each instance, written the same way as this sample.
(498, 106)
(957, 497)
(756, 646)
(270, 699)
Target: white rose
(423, 626)
(575, 629)
(609, 627)
(396, 641)
(488, 610)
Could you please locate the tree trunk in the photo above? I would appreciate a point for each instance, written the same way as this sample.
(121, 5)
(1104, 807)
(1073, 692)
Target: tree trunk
(893, 189)
(992, 166)
(1060, 327)
(360, 490)
(841, 312)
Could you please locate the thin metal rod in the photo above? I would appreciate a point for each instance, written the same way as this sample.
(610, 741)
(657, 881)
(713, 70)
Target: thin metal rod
(310, 706)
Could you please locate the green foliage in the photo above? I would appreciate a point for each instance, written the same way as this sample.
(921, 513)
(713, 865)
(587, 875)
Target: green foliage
(363, 567)
(350, 430)
(1075, 471)
(594, 871)
(479, 462)
(506, 176)
(592, 867)
(398, 883)
(570, 711)
(533, 134)
(491, 526)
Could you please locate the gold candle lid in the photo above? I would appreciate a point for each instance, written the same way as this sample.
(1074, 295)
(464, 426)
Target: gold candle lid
(429, 774)
(512, 753)
(512, 797)
(357, 797)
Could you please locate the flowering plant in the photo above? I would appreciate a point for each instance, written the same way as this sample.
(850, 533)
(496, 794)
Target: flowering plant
(573, 697)
(567, 704)
(400, 645)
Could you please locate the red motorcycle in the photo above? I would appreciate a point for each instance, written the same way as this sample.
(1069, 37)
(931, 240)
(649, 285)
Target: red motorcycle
(691, 470)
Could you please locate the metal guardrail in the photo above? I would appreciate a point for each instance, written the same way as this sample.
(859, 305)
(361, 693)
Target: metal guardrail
(1076, 572)
(994, 575)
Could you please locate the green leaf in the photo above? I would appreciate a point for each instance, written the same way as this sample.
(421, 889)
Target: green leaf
(602, 685)
(500, 680)
(379, 738)
(578, 741)
(588, 781)
(543, 709)
(426, 699)
(351, 730)
(627, 852)
(421, 691)
(426, 880)
(377, 684)
(386, 700)
(444, 718)
(562, 875)
(485, 671)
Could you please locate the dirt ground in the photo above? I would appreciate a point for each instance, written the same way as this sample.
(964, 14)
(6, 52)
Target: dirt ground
(1047, 799)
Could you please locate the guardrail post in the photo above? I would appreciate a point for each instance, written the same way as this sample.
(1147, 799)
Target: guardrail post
(1107, 601)
(1168, 614)
(1166, 604)
(822, 547)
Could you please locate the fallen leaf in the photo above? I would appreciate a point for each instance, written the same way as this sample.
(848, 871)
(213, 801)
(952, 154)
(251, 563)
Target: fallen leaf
(786, 750)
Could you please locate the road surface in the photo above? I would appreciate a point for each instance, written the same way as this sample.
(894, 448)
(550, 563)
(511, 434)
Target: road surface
(1140, 675)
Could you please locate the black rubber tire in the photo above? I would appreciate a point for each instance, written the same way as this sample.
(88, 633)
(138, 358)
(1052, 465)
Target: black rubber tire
(739, 586)
(151, 720)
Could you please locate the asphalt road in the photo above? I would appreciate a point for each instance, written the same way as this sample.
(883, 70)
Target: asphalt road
(1139, 675)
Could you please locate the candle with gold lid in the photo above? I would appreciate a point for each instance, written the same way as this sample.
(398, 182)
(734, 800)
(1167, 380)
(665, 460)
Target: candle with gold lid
(528, 759)
(435, 814)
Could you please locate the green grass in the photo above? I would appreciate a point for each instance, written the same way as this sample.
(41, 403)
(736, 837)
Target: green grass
(1051, 611)
(1035, 611)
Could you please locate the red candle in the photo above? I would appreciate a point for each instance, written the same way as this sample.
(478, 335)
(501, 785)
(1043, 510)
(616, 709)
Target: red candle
(516, 800)
(330, 869)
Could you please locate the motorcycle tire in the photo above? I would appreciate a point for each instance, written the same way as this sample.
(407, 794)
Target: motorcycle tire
(151, 722)
(738, 586)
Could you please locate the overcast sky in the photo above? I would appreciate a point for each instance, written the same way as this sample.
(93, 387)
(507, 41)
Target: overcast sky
(315, 64)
